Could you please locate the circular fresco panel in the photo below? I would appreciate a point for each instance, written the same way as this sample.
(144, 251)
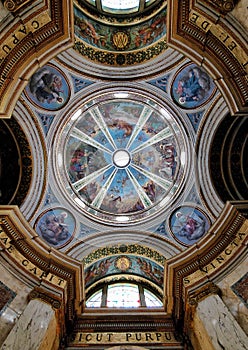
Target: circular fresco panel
(56, 227)
(192, 87)
(48, 88)
(122, 159)
(188, 224)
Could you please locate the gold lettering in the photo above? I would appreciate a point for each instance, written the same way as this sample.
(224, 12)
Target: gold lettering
(88, 337)
(23, 30)
(34, 270)
(194, 18)
(51, 278)
(16, 40)
(186, 280)
(205, 25)
(25, 262)
(149, 336)
(241, 234)
(4, 240)
(60, 281)
(234, 243)
(109, 336)
(228, 252)
(158, 335)
(219, 258)
(167, 336)
(6, 47)
(10, 248)
(128, 335)
(122, 338)
(204, 269)
(98, 337)
(232, 46)
(44, 274)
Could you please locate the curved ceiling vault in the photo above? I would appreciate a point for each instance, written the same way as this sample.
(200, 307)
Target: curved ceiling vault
(123, 114)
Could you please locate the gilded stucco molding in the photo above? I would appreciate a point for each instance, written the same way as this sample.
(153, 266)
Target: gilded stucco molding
(28, 42)
(219, 48)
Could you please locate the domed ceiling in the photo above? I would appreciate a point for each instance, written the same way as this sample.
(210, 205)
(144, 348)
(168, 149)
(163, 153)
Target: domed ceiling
(123, 157)
(120, 129)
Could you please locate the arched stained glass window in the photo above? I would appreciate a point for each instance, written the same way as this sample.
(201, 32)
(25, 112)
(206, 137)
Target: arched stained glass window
(123, 295)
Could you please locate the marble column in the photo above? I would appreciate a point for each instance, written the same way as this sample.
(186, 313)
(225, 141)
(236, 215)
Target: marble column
(34, 330)
(214, 327)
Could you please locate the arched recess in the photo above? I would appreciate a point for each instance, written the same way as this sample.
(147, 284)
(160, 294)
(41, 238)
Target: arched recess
(204, 31)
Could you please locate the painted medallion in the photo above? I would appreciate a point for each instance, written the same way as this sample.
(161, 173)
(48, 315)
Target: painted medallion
(48, 88)
(188, 224)
(192, 87)
(56, 227)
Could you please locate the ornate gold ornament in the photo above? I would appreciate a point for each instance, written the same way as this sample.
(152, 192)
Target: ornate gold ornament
(121, 40)
(123, 263)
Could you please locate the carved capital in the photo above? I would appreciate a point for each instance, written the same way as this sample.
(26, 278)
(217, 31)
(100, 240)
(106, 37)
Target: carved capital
(194, 298)
(38, 293)
(15, 5)
(205, 291)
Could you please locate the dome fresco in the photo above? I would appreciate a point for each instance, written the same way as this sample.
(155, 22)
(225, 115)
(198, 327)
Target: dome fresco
(120, 156)
(119, 42)
(123, 157)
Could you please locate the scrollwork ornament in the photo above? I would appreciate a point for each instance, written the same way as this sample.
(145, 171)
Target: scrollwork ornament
(14, 5)
(36, 294)
(222, 6)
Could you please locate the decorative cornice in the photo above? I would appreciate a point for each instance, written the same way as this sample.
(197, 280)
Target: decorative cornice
(120, 59)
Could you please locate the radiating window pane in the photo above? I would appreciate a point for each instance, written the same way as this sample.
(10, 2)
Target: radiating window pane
(123, 295)
(95, 300)
(151, 299)
(120, 4)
